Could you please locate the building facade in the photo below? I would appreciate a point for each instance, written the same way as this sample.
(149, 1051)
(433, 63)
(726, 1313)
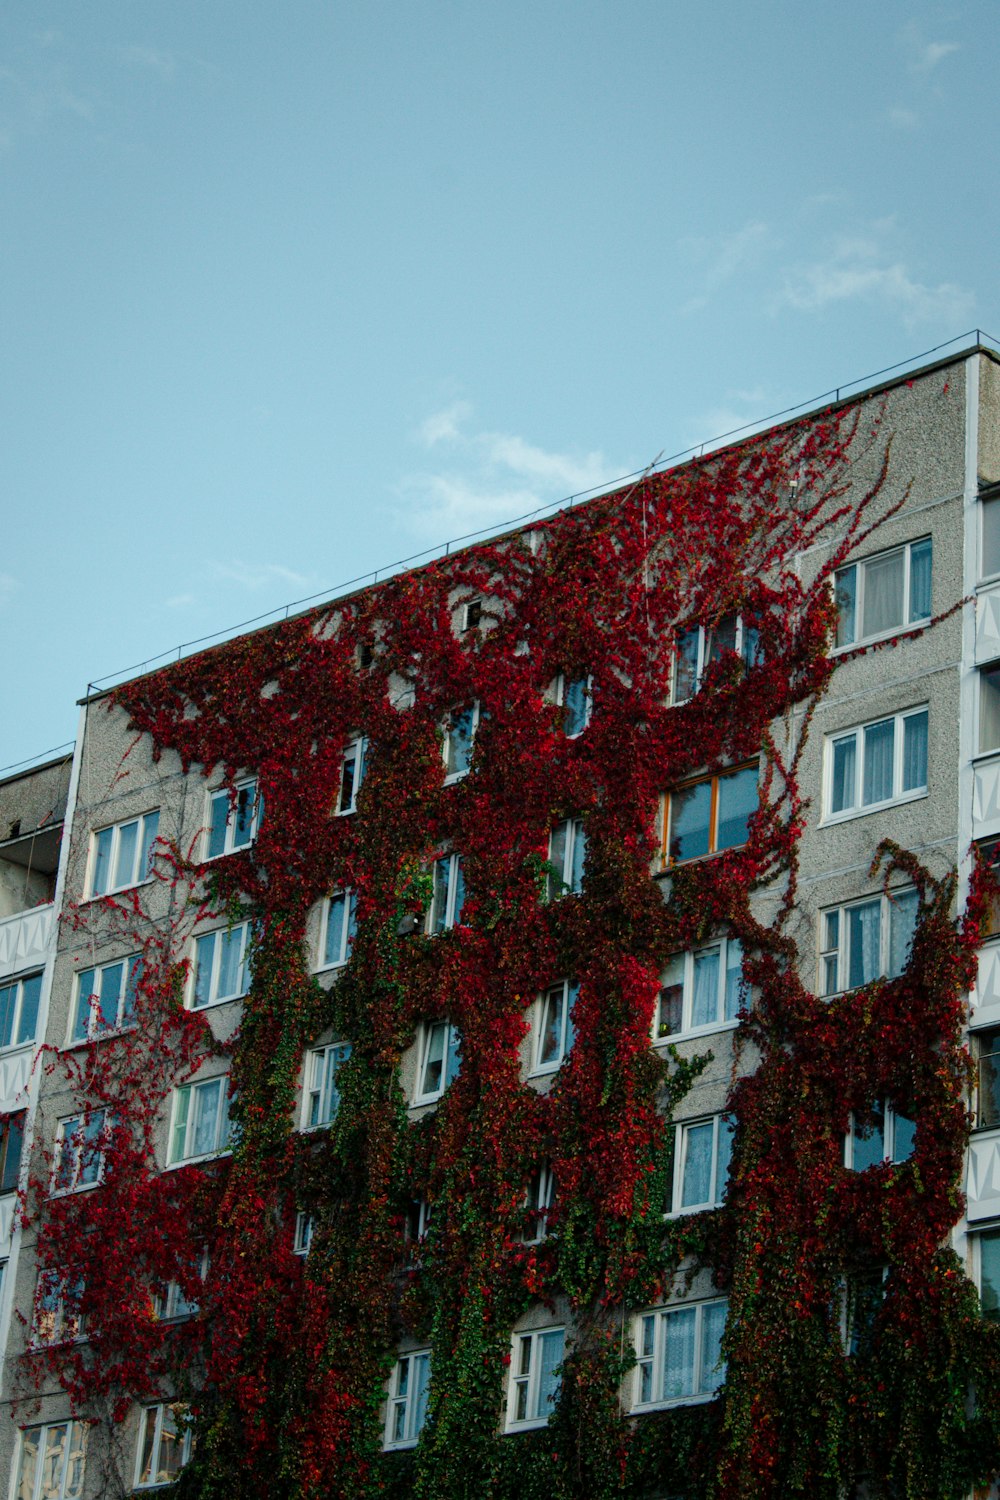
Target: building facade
(508, 1029)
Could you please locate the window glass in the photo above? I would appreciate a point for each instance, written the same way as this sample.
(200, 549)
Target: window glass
(904, 1136)
(920, 581)
(915, 752)
(989, 1273)
(868, 1145)
(902, 922)
(988, 1048)
(864, 940)
(686, 665)
(843, 791)
(713, 1324)
(989, 708)
(991, 536)
(878, 762)
(846, 595)
(738, 795)
(576, 706)
(883, 593)
(696, 1184)
(706, 986)
(678, 1378)
(690, 813)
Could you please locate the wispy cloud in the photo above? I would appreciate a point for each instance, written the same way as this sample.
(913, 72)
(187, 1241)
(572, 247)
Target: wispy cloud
(487, 478)
(256, 576)
(163, 63)
(901, 118)
(923, 56)
(857, 268)
(725, 256)
(8, 587)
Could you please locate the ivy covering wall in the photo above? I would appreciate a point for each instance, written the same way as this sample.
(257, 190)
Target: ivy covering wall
(287, 1361)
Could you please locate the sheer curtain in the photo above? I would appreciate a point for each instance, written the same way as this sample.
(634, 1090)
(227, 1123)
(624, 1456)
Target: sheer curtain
(704, 1002)
(678, 1353)
(915, 752)
(548, 1380)
(696, 1183)
(864, 934)
(713, 1323)
(879, 740)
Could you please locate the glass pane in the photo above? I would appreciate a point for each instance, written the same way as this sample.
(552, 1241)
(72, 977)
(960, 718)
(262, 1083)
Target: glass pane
(845, 590)
(723, 637)
(690, 810)
(686, 665)
(13, 1143)
(883, 594)
(178, 1146)
(557, 856)
(29, 1464)
(243, 824)
(112, 980)
(737, 802)
(670, 1018)
(90, 1147)
(864, 939)
(150, 828)
(207, 1100)
(31, 994)
(989, 1273)
(550, 1033)
(579, 857)
(878, 754)
(349, 764)
(230, 966)
(920, 581)
(459, 898)
(725, 1159)
(102, 860)
(128, 840)
(991, 537)
(442, 882)
(132, 982)
(734, 979)
(171, 1446)
(705, 999)
(54, 1462)
(904, 1135)
(915, 752)
(713, 1324)
(204, 950)
(869, 1142)
(147, 1437)
(217, 830)
(551, 1353)
(989, 1078)
(460, 742)
(902, 921)
(576, 706)
(844, 779)
(696, 1183)
(421, 1391)
(8, 1007)
(434, 1059)
(678, 1362)
(84, 992)
(989, 709)
(334, 951)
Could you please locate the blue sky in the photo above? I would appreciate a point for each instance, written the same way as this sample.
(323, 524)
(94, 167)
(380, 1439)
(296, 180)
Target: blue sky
(290, 291)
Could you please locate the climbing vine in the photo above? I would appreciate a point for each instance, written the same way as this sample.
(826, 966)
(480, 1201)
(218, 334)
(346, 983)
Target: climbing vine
(285, 1363)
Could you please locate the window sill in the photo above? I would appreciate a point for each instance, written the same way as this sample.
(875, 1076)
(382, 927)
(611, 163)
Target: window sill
(668, 1405)
(546, 1070)
(345, 812)
(112, 1033)
(512, 1428)
(695, 1208)
(84, 1187)
(408, 1446)
(912, 628)
(119, 890)
(198, 1010)
(197, 1161)
(210, 859)
(13, 1047)
(425, 1100)
(667, 865)
(830, 820)
(452, 776)
(695, 1033)
(341, 963)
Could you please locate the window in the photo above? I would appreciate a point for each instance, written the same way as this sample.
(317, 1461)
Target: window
(79, 1152)
(19, 1010)
(987, 1047)
(986, 1248)
(702, 990)
(535, 1377)
(538, 1200)
(866, 940)
(415, 1227)
(352, 774)
(988, 851)
(174, 1303)
(990, 507)
(459, 737)
(573, 696)
(105, 998)
(11, 1145)
(555, 1035)
(709, 815)
(406, 1409)
(200, 1124)
(123, 854)
(52, 1462)
(340, 926)
(164, 1444)
(471, 615)
(863, 1295)
(303, 1233)
(702, 1153)
(440, 1054)
(679, 1354)
(884, 593)
(567, 859)
(989, 708)
(221, 967)
(885, 1136)
(234, 819)
(322, 1098)
(447, 893)
(876, 764)
(700, 645)
(58, 1319)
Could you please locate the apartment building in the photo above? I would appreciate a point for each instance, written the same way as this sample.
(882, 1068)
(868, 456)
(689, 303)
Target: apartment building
(507, 1024)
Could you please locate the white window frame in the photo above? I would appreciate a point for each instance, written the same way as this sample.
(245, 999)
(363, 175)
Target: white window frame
(988, 502)
(565, 992)
(18, 982)
(575, 832)
(557, 696)
(705, 1384)
(356, 756)
(526, 1374)
(722, 1138)
(321, 1084)
(348, 901)
(124, 1002)
(860, 570)
(416, 1225)
(456, 775)
(836, 957)
(472, 615)
(976, 1267)
(229, 845)
(13, 1128)
(857, 808)
(744, 637)
(727, 949)
(81, 1135)
(539, 1199)
(889, 1157)
(452, 1049)
(305, 1226)
(72, 1460)
(452, 914)
(172, 1306)
(218, 937)
(146, 827)
(223, 1128)
(156, 1412)
(68, 1327)
(408, 1403)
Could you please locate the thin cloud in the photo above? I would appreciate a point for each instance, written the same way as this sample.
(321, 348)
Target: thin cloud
(903, 119)
(488, 478)
(256, 576)
(723, 257)
(858, 269)
(150, 58)
(924, 56)
(8, 587)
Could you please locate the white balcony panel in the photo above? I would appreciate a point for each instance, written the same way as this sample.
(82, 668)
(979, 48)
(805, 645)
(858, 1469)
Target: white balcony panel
(15, 1071)
(986, 798)
(984, 1000)
(983, 1189)
(7, 1205)
(988, 626)
(25, 940)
